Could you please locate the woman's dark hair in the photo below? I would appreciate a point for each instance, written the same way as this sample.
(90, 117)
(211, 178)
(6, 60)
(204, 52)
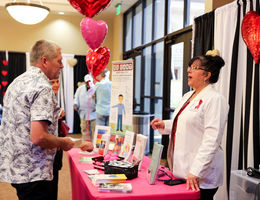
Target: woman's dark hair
(211, 64)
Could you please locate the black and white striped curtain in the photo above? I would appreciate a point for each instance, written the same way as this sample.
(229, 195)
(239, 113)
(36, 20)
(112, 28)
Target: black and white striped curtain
(239, 83)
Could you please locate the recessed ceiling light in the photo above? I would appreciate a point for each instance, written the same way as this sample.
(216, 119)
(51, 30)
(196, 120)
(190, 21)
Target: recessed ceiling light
(61, 13)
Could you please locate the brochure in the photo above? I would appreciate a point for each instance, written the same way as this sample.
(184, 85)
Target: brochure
(101, 139)
(118, 187)
(128, 145)
(139, 149)
(86, 160)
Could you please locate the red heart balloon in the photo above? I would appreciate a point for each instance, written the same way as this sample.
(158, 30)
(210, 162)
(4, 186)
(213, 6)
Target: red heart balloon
(97, 60)
(5, 62)
(4, 83)
(4, 72)
(251, 33)
(3, 93)
(90, 8)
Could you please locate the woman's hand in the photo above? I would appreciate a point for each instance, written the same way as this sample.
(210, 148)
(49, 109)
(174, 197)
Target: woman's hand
(192, 182)
(157, 124)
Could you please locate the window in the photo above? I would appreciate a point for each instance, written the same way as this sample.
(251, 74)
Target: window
(175, 15)
(128, 35)
(196, 9)
(158, 83)
(176, 74)
(137, 39)
(159, 19)
(148, 21)
(137, 88)
(147, 67)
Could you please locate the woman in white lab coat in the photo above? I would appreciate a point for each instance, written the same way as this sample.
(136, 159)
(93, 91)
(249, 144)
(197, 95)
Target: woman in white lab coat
(196, 130)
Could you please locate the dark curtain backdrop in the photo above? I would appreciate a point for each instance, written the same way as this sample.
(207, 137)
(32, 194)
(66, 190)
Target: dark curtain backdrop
(3, 67)
(80, 70)
(17, 65)
(204, 34)
(10, 69)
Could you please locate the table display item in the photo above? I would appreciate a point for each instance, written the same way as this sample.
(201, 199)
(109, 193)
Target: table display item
(155, 163)
(175, 182)
(122, 167)
(128, 145)
(140, 144)
(111, 187)
(99, 161)
(101, 139)
(92, 171)
(109, 178)
(85, 160)
(118, 144)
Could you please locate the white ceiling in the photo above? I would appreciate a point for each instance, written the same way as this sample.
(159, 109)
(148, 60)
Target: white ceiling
(64, 6)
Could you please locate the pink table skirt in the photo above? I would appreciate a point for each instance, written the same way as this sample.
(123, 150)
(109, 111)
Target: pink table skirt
(82, 187)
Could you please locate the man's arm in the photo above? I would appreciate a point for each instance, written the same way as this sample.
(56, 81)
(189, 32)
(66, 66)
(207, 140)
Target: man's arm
(41, 137)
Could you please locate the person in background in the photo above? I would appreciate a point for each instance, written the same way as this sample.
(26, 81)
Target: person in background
(29, 129)
(194, 151)
(57, 164)
(84, 104)
(102, 96)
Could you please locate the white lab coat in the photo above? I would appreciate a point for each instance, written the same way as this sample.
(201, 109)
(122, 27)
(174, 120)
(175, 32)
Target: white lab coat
(198, 137)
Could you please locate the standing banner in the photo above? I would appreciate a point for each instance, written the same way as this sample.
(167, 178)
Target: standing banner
(121, 107)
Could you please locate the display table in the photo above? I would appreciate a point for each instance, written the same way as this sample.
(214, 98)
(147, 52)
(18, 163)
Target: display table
(243, 186)
(82, 187)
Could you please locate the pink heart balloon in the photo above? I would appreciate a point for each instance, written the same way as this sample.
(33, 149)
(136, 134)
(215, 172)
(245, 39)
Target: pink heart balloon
(93, 32)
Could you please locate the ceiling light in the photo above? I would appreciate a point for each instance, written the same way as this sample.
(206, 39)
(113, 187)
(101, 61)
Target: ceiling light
(26, 12)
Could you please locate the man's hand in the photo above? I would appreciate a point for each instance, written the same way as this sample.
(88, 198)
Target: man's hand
(62, 114)
(67, 144)
(86, 146)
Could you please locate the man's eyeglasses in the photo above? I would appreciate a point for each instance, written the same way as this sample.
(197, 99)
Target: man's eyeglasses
(196, 68)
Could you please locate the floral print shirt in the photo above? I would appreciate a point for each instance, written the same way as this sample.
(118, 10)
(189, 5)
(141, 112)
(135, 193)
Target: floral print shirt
(28, 98)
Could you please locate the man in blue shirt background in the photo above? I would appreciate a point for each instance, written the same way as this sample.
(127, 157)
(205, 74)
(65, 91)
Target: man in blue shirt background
(102, 95)
(84, 104)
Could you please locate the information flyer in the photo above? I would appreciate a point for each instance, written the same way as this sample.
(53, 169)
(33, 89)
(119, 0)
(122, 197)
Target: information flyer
(121, 108)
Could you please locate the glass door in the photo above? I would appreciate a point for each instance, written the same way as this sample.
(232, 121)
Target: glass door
(178, 54)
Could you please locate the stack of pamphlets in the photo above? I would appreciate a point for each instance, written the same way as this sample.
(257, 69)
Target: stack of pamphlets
(111, 187)
(109, 178)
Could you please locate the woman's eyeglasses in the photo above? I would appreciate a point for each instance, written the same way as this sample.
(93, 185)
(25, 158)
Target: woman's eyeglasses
(196, 68)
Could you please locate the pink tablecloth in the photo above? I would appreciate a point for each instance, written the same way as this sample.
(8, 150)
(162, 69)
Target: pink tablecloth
(82, 187)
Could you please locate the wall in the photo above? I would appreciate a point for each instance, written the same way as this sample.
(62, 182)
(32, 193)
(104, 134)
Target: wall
(118, 37)
(63, 29)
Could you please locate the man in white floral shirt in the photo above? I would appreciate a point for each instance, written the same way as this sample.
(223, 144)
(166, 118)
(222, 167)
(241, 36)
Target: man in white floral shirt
(29, 129)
